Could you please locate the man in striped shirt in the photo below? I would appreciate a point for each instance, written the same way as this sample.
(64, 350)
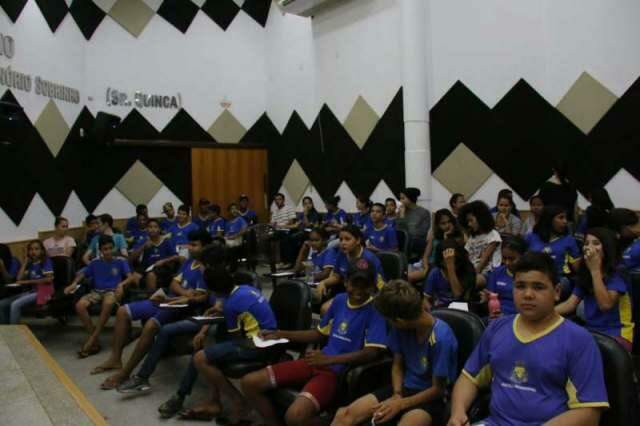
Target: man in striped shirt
(283, 218)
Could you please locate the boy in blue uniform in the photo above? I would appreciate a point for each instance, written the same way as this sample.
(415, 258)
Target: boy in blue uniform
(133, 223)
(315, 250)
(152, 251)
(186, 288)
(203, 219)
(217, 224)
(110, 276)
(247, 214)
(380, 236)
(356, 334)
(424, 362)
(135, 236)
(179, 232)
(541, 368)
(170, 219)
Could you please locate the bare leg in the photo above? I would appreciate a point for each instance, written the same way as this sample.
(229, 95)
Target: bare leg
(152, 281)
(301, 413)
(357, 412)
(218, 384)
(120, 338)
(254, 385)
(105, 313)
(415, 417)
(82, 307)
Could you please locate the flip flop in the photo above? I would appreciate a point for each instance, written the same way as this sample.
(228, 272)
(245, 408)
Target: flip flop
(100, 369)
(110, 384)
(190, 414)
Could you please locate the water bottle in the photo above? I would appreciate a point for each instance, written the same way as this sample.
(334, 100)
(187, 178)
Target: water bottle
(494, 305)
(308, 271)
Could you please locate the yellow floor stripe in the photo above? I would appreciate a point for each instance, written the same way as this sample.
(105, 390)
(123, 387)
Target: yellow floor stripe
(75, 392)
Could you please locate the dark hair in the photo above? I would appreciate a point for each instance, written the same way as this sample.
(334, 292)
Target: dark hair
(393, 200)
(156, 221)
(437, 232)
(200, 235)
(308, 198)
(185, 208)
(141, 208)
(5, 257)
(536, 197)
(399, 300)
(544, 227)
(321, 231)
(333, 201)
(355, 231)
(597, 214)
(465, 270)
(279, 194)
(619, 218)
(515, 243)
(43, 251)
(411, 193)
(609, 258)
(203, 202)
(106, 218)
(561, 169)
(104, 240)
(217, 275)
(59, 220)
(378, 205)
(537, 261)
(214, 208)
(482, 214)
(90, 218)
(454, 199)
(365, 200)
(243, 197)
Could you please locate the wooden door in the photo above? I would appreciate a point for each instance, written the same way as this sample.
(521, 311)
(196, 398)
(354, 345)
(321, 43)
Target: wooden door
(222, 174)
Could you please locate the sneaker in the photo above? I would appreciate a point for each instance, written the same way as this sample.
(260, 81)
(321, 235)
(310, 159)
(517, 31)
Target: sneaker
(135, 384)
(171, 407)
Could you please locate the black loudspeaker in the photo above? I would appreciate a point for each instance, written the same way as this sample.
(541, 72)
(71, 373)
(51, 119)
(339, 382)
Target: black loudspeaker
(104, 128)
(10, 122)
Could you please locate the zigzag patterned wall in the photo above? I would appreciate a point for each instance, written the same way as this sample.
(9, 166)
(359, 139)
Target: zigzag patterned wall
(134, 15)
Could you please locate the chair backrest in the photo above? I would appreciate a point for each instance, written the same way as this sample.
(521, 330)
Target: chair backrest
(64, 271)
(247, 277)
(394, 264)
(634, 290)
(291, 304)
(620, 380)
(403, 241)
(467, 327)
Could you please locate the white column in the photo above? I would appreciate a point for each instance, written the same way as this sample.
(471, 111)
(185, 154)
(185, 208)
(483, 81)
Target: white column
(415, 71)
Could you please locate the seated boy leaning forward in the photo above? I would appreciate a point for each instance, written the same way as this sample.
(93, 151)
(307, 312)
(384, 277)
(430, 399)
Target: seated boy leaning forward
(424, 362)
(110, 275)
(246, 313)
(542, 369)
(356, 334)
(187, 288)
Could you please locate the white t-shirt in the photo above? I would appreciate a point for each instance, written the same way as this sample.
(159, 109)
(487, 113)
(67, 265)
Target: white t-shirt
(57, 247)
(283, 216)
(476, 245)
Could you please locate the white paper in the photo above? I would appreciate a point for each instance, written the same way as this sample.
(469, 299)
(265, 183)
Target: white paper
(260, 343)
(166, 305)
(283, 274)
(204, 317)
(149, 269)
(461, 306)
(76, 288)
(159, 293)
(12, 285)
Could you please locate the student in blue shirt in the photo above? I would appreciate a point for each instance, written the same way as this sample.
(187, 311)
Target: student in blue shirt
(335, 218)
(390, 212)
(36, 274)
(133, 222)
(139, 234)
(351, 248)
(500, 280)
(111, 276)
(9, 265)
(187, 288)
(362, 219)
(247, 214)
(542, 369)
(607, 304)
(217, 224)
(170, 217)
(235, 228)
(119, 244)
(626, 223)
(179, 232)
(453, 277)
(380, 236)
(203, 218)
(152, 252)
(315, 250)
(424, 363)
(356, 334)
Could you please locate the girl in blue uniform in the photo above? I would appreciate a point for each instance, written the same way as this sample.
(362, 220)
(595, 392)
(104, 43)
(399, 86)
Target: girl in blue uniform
(627, 224)
(335, 218)
(381, 236)
(315, 250)
(390, 211)
(362, 219)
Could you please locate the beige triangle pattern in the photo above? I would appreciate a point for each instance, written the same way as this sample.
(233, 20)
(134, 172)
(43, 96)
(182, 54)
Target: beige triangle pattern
(227, 128)
(295, 182)
(52, 127)
(462, 171)
(586, 102)
(133, 15)
(361, 121)
(139, 185)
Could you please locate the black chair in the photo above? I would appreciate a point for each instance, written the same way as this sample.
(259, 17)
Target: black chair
(634, 287)
(403, 242)
(394, 264)
(620, 381)
(291, 304)
(247, 277)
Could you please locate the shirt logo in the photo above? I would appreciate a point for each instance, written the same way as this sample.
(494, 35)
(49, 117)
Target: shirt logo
(501, 283)
(343, 327)
(114, 271)
(519, 373)
(424, 362)
(547, 250)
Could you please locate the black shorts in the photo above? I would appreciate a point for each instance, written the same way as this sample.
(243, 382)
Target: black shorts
(436, 409)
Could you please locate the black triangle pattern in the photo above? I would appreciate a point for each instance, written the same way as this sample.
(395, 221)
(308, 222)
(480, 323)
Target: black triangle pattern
(13, 8)
(54, 12)
(222, 12)
(87, 15)
(179, 13)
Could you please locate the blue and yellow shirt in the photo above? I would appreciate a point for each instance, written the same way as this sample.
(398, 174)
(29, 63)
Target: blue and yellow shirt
(107, 275)
(500, 281)
(383, 238)
(563, 250)
(246, 310)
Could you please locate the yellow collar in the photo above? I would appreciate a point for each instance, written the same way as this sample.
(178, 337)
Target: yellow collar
(537, 335)
(349, 305)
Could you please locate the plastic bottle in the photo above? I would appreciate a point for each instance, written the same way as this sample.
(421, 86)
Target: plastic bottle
(494, 305)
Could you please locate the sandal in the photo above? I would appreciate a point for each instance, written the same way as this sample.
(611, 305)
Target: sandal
(100, 369)
(82, 353)
(110, 383)
(190, 414)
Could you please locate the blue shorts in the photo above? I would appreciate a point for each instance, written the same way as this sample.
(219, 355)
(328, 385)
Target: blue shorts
(231, 351)
(147, 310)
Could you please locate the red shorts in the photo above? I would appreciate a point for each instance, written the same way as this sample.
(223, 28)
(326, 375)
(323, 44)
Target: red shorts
(321, 382)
